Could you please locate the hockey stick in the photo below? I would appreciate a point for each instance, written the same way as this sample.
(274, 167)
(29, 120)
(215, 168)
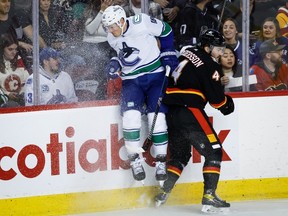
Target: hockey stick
(148, 141)
(221, 15)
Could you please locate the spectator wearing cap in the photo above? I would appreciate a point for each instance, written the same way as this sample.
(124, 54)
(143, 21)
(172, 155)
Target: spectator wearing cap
(271, 73)
(56, 86)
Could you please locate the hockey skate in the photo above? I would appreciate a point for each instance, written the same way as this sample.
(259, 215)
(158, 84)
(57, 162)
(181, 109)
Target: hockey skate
(161, 198)
(213, 204)
(161, 171)
(137, 168)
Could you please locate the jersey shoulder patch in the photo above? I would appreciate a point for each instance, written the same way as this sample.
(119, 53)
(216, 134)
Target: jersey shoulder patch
(137, 19)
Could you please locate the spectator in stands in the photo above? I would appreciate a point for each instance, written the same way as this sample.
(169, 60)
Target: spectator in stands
(271, 30)
(264, 9)
(94, 32)
(133, 7)
(171, 11)
(234, 10)
(56, 85)
(50, 25)
(77, 20)
(22, 5)
(271, 73)
(194, 19)
(9, 23)
(228, 62)
(162, 3)
(95, 48)
(282, 17)
(86, 84)
(230, 33)
(13, 74)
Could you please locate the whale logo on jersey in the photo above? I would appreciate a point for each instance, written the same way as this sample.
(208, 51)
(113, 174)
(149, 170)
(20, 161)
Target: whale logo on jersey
(129, 55)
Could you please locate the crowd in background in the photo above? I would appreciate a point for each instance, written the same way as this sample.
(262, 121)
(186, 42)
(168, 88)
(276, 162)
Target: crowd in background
(73, 29)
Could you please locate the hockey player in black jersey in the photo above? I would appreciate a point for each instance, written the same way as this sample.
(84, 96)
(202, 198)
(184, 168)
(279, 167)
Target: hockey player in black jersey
(192, 85)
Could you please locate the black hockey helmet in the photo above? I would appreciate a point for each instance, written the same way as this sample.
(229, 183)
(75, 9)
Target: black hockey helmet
(211, 37)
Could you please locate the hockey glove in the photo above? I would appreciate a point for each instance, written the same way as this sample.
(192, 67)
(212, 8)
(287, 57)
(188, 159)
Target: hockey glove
(228, 107)
(169, 58)
(113, 68)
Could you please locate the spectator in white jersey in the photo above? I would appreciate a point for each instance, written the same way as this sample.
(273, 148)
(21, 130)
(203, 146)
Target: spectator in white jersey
(56, 86)
(139, 63)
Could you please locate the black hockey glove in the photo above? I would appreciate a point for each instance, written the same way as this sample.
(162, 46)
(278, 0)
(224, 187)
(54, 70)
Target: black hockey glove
(169, 58)
(228, 107)
(113, 68)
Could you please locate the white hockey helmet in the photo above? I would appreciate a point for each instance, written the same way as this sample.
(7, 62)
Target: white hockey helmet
(113, 14)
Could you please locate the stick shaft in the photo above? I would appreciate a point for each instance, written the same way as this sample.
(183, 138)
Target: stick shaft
(159, 102)
(221, 15)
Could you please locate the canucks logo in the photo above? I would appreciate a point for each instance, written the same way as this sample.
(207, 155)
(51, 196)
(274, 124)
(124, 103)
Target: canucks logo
(129, 55)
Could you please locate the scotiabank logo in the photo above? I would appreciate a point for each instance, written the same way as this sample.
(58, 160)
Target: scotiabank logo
(56, 151)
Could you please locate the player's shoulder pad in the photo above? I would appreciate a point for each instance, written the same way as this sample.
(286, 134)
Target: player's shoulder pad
(139, 18)
(184, 48)
(191, 54)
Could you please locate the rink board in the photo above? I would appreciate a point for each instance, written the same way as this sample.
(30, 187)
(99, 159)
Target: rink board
(72, 160)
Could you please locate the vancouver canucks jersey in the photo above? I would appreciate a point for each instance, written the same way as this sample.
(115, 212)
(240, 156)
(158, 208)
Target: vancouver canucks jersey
(137, 48)
(53, 90)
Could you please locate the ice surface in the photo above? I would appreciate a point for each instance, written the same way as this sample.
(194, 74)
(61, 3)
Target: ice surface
(244, 208)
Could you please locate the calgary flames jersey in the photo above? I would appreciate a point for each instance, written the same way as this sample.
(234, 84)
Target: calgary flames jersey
(195, 81)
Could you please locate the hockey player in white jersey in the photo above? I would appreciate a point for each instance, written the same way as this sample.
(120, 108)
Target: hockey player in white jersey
(144, 46)
(56, 87)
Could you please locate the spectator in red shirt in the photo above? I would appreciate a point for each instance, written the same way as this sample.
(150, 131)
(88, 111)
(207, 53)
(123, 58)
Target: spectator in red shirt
(271, 73)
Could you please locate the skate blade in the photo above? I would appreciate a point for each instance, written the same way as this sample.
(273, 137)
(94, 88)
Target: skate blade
(161, 183)
(158, 203)
(135, 183)
(213, 210)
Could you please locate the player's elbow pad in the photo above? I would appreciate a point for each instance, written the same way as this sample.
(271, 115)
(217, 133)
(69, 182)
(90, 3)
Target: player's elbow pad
(228, 107)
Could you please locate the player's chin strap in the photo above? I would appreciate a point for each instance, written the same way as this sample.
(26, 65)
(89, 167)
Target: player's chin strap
(211, 47)
(122, 26)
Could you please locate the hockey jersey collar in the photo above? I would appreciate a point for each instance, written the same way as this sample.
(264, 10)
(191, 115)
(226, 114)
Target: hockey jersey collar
(48, 75)
(128, 25)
